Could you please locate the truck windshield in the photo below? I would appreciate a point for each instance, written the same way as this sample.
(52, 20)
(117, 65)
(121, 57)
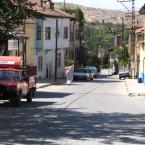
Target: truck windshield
(9, 75)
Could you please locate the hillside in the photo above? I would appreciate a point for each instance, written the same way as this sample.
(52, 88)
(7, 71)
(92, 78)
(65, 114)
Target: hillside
(93, 15)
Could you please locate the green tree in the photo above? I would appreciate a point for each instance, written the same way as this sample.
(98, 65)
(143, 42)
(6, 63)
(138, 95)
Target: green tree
(78, 13)
(100, 38)
(12, 14)
(81, 21)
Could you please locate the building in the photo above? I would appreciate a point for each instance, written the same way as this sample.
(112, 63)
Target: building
(44, 39)
(140, 50)
(48, 40)
(139, 54)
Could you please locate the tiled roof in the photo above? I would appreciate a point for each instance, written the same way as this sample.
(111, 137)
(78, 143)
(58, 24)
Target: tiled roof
(50, 12)
(139, 30)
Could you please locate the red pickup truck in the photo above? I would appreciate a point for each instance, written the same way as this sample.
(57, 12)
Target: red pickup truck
(16, 81)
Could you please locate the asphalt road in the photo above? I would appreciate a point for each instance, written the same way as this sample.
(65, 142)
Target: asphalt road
(97, 112)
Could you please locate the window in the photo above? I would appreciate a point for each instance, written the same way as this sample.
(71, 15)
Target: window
(59, 59)
(66, 53)
(77, 35)
(47, 33)
(39, 63)
(38, 32)
(71, 36)
(65, 33)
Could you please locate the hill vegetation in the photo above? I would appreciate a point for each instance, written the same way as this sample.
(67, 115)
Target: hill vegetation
(96, 15)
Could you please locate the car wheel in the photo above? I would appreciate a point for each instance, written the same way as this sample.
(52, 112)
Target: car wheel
(87, 79)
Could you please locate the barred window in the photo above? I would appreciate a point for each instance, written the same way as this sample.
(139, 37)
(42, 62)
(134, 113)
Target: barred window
(77, 35)
(59, 59)
(38, 32)
(65, 33)
(47, 33)
(39, 63)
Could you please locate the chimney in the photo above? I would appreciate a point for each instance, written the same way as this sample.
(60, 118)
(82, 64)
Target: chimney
(51, 5)
(41, 3)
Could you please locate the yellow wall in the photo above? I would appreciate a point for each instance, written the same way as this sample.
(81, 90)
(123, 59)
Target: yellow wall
(30, 44)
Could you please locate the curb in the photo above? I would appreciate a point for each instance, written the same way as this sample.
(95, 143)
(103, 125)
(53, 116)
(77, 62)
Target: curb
(133, 94)
(50, 84)
(136, 94)
(43, 86)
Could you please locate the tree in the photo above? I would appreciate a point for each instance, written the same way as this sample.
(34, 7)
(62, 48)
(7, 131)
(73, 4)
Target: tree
(12, 14)
(100, 38)
(78, 13)
(81, 20)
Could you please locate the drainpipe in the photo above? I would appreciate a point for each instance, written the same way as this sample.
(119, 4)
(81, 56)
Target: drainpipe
(56, 43)
(74, 50)
(143, 69)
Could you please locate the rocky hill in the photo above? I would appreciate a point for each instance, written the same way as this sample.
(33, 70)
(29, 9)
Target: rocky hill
(93, 15)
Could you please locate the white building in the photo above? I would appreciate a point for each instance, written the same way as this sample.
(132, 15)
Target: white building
(50, 44)
(49, 47)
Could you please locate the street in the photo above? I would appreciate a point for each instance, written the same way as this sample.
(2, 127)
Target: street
(97, 112)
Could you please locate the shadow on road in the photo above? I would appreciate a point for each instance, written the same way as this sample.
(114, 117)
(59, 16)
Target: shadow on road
(42, 94)
(36, 125)
(38, 95)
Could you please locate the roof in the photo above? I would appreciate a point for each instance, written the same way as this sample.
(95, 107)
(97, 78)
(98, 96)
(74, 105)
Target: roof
(46, 11)
(139, 30)
(142, 10)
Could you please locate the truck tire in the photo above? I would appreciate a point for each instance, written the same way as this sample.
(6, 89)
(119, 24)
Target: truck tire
(17, 100)
(33, 92)
(29, 96)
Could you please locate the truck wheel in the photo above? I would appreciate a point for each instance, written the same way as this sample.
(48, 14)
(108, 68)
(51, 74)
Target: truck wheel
(29, 96)
(17, 101)
(33, 92)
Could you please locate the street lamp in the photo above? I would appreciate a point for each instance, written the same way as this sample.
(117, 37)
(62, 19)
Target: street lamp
(83, 52)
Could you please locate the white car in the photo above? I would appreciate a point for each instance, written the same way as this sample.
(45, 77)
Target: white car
(95, 71)
(124, 73)
(81, 74)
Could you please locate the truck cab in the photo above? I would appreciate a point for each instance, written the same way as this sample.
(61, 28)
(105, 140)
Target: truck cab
(16, 81)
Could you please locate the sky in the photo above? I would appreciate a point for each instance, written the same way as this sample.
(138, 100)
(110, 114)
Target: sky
(106, 4)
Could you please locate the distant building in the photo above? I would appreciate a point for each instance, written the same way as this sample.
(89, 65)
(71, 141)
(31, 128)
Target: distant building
(118, 40)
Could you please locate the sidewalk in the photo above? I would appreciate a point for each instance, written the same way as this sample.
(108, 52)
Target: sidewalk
(47, 82)
(134, 88)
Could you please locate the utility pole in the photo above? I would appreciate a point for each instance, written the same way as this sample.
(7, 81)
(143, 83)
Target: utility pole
(122, 44)
(132, 35)
(132, 42)
(133, 29)
(64, 4)
(56, 42)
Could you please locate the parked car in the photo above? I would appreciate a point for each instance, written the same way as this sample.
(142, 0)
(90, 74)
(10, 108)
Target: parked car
(124, 73)
(92, 73)
(95, 70)
(82, 74)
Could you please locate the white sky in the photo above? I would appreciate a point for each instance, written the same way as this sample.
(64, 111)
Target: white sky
(106, 4)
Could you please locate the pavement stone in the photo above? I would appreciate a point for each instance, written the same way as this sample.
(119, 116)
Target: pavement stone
(134, 88)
